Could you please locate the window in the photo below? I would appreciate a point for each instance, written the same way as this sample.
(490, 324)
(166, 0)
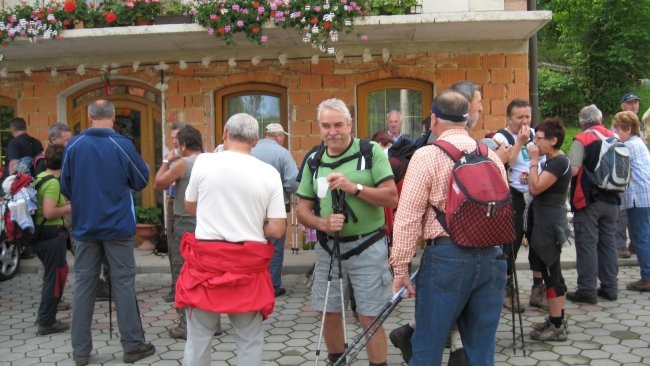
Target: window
(266, 102)
(375, 99)
(7, 112)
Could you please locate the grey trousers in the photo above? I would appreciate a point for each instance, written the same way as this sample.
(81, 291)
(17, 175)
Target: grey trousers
(596, 252)
(87, 263)
(182, 224)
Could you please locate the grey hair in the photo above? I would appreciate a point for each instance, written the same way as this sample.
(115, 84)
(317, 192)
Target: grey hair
(590, 115)
(466, 88)
(176, 126)
(335, 105)
(101, 109)
(243, 127)
(57, 129)
(394, 111)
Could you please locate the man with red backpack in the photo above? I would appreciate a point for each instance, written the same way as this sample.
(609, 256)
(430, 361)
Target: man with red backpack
(474, 304)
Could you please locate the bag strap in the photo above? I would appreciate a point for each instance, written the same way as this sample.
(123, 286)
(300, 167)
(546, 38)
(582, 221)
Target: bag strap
(507, 135)
(40, 184)
(449, 149)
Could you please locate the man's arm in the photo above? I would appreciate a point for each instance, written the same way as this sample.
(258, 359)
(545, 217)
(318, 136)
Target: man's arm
(166, 176)
(385, 194)
(306, 216)
(190, 207)
(289, 174)
(275, 228)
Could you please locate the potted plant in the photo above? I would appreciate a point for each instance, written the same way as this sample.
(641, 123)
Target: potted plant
(143, 11)
(175, 12)
(147, 221)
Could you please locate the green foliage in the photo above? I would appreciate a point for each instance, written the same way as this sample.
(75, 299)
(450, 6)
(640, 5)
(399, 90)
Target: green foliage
(571, 130)
(559, 94)
(148, 215)
(602, 42)
(391, 7)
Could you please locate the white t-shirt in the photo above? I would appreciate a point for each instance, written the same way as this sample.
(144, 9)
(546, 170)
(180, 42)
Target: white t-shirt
(522, 164)
(235, 193)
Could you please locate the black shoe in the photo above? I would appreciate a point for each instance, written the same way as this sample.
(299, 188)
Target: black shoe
(81, 360)
(401, 339)
(606, 296)
(144, 350)
(170, 297)
(456, 358)
(62, 305)
(578, 297)
(102, 292)
(27, 253)
(281, 291)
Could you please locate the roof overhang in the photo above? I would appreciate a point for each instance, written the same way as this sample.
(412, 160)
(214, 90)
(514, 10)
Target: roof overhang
(469, 32)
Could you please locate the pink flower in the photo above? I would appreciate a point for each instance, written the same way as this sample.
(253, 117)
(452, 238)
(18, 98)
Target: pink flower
(240, 23)
(364, 37)
(264, 39)
(210, 31)
(213, 17)
(130, 4)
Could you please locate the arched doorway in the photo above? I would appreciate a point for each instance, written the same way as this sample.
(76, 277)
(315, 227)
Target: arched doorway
(137, 116)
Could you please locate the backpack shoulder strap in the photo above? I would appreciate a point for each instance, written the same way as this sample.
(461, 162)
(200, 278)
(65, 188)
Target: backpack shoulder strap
(314, 162)
(44, 180)
(598, 134)
(366, 154)
(449, 149)
(481, 149)
(507, 135)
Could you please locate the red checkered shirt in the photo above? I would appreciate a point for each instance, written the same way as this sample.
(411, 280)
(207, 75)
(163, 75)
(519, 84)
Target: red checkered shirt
(425, 187)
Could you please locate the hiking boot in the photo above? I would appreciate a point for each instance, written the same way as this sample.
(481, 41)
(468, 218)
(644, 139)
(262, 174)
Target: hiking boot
(81, 360)
(170, 297)
(179, 331)
(144, 350)
(538, 297)
(639, 285)
(57, 327)
(456, 358)
(281, 291)
(401, 339)
(579, 297)
(624, 253)
(538, 327)
(102, 292)
(218, 331)
(62, 305)
(508, 301)
(606, 296)
(550, 333)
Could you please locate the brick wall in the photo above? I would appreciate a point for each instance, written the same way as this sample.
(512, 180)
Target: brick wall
(502, 77)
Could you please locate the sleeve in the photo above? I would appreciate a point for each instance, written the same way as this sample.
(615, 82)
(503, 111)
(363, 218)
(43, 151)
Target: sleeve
(192, 190)
(381, 169)
(557, 166)
(137, 169)
(51, 189)
(498, 137)
(289, 173)
(577, 153)
(66, 184)
(276, 208)
(13, 150)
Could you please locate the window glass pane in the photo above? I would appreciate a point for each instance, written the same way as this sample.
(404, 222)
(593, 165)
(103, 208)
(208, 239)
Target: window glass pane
(265, 108)
(6, 114)
(408, 102)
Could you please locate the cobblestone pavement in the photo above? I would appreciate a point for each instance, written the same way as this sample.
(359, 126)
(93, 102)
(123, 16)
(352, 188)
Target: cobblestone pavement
(609, 333)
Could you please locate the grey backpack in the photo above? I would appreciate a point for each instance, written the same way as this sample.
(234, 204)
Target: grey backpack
(612, 172)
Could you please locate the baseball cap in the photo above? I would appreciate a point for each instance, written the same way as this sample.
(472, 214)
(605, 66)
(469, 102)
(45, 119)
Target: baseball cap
(628, 97)
(275, 128)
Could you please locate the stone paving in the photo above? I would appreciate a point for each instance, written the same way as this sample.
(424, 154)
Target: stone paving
(609, 333)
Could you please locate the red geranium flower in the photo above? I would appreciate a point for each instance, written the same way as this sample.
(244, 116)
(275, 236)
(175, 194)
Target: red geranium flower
(69, 6)
(110, 17)
(255, 30)
(326, 25)
(314, 21)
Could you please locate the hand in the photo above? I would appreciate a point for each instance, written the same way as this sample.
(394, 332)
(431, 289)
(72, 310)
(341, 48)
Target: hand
(335, 222)
(171, 156)
(399, 282)
(340, 181)
(504, 152)
(524, 134)
(533, 151)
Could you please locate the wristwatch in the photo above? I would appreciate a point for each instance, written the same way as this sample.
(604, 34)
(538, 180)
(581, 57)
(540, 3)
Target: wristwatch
(165, 161)
(359, 189)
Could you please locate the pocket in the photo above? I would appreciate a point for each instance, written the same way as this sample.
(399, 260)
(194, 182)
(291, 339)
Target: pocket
(498, 273)
(447, 273)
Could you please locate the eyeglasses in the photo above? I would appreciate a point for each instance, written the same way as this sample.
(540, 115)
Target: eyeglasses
(537, 138)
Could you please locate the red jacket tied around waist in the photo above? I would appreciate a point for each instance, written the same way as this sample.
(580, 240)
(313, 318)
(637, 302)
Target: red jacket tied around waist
(225, 277)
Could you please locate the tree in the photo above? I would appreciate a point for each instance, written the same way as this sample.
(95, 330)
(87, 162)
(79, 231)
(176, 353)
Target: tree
(602, 43)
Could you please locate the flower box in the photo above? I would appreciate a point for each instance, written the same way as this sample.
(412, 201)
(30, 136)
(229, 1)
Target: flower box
(173, 19)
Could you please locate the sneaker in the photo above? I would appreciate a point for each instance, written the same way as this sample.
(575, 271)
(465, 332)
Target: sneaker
(578, 297)
(144, 350)
(62, 305)
(605, 295)
(81, 360)
(102, 292)
(639, 285)
(456, 358)
(57, 327)
(170, 297)
(540, 326)
(281, 291)
(508, 301)
(401, 339)
(550, 333)
(538, 297)
(624, 253)
(179, 331)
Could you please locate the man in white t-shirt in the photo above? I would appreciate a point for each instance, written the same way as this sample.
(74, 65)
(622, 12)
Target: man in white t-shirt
(239, 203)
(518, 134)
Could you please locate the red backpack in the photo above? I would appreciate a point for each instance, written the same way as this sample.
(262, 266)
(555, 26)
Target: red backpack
(478, 211)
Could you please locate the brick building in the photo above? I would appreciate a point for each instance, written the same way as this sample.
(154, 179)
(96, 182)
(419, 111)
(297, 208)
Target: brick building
(162, 73)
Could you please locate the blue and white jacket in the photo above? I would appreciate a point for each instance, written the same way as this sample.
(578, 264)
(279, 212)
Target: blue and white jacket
(99, 170)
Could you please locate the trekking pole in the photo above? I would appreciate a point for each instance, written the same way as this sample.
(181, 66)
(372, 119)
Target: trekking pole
(337, 245)
(110, 310)
(369, 331)
(327, 293)
(515, 285)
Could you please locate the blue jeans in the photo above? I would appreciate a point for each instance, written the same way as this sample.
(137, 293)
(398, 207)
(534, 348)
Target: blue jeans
(639, 227)
(276, 262)
(461, 285)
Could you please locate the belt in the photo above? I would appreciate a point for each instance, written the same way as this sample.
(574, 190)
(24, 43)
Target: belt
(439, 240)
(346, 239)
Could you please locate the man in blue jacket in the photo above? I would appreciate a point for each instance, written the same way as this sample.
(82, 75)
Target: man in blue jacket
(100, 168)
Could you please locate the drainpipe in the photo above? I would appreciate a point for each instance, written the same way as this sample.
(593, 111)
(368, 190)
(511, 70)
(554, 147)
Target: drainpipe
(533, 86)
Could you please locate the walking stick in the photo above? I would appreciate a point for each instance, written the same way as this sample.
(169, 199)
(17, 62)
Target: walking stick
(327, 294)
(514, 292)
(369, 331)
(337, 248)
